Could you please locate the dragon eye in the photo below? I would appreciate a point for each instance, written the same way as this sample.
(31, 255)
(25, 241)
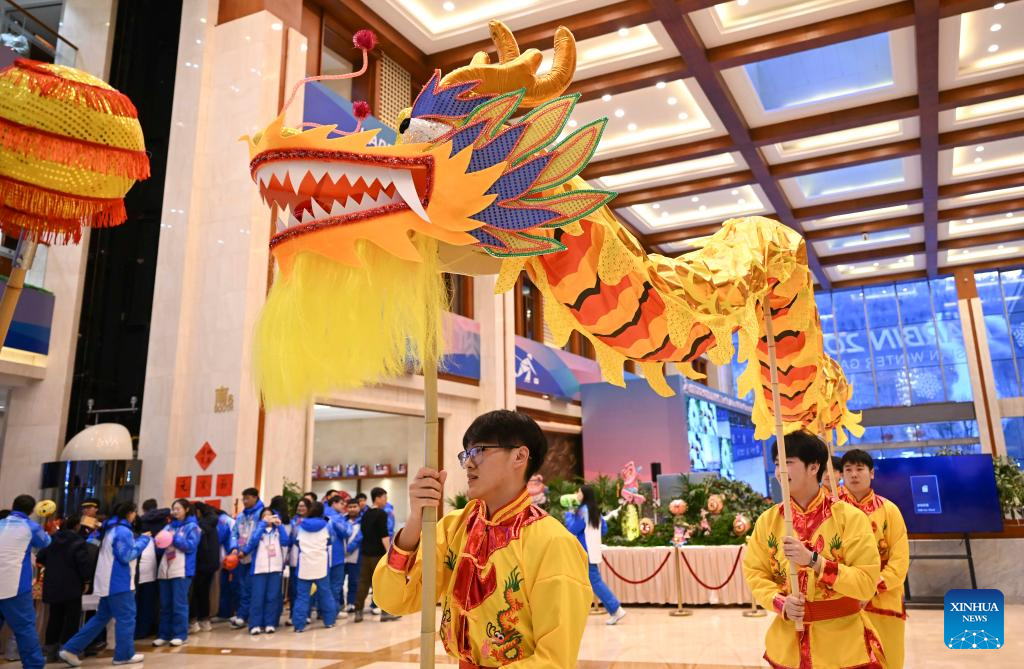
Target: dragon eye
(404, 125)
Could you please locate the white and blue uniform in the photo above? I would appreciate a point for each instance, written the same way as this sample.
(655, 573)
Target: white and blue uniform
(177, 567)
(245, 525)
(114, 582)
(313, 536)
(352, 561)
(341, 529)
(578, 524)
(267, 547)
(18, 536)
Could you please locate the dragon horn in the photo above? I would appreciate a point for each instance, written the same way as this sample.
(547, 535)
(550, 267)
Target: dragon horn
(519, 70)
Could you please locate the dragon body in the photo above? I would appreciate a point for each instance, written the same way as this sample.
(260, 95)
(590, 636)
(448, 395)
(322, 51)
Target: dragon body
(480, 186)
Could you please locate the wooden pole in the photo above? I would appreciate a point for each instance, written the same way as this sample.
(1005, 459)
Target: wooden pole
(428, 538)
(780, 439)
(680, 611)
(23, 258)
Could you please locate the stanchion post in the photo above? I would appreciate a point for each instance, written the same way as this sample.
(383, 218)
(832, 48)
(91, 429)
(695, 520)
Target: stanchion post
(780, 439)
(680, 611)
(754, 611)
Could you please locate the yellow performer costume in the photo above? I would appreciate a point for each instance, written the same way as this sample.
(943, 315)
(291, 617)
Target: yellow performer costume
(514, 587)
(886, 610)
(837, 634)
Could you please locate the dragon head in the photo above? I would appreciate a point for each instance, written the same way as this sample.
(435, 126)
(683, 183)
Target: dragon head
(364, 229)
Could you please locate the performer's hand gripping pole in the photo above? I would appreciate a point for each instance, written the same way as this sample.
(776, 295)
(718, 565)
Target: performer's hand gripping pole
(780, 438)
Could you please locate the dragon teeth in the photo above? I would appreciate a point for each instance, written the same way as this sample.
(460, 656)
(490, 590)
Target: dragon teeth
(407, 189)
(318, 211)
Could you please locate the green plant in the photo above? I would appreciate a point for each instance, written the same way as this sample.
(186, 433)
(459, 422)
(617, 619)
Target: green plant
(458, 501)
(1010, 484)
(292, 493)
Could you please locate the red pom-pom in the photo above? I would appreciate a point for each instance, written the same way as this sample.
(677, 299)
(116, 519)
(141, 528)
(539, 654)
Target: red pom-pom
(360, 109)
(365, 40)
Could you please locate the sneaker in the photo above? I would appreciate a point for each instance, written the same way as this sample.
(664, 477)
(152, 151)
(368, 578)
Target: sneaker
(237, 623)
(288, 622)
(134, 659)
(69, 657)
(255, 631)
(375, 610)
(342, 615)
(387, 617)
(359, 617)
(269, 630)
(159, 642)
(205, 626)
(351, 608)
(327, 627)
(177, 642)
(614, 618)
(218, 619)
(194, 628)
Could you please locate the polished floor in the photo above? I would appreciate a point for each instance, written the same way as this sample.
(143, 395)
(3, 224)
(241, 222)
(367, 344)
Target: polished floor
(648, 638)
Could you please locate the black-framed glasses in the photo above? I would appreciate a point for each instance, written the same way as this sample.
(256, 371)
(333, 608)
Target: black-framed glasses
(473, 452)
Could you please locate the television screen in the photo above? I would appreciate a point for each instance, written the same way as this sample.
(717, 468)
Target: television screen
(702, 435)
(943, 493)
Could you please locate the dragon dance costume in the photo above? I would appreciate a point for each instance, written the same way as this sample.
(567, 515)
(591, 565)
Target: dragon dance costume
(837, 633)
(514, 587)
(886, 610)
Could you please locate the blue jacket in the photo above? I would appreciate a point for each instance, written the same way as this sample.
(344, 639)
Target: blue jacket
(341, 529)
(187, 535)
(245, 526)
(576, 523)
(18, 536)
(252, 548)
(119, 551)
(225, 524)
(390, 510)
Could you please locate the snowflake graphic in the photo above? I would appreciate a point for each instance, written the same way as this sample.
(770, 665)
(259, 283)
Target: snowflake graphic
(927, 385)
(970, 639)
(1018, 334)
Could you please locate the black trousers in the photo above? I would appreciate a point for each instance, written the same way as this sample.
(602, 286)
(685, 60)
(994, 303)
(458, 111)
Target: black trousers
(65, 619)
(367, 564)
(199, 606)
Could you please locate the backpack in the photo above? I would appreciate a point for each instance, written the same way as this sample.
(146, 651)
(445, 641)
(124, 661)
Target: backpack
(208, 552)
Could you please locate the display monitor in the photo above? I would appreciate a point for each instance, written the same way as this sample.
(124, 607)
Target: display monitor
(702, 434)
(942, 493)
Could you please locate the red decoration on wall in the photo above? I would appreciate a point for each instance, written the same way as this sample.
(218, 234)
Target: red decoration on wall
(204, 485)
(205, 456)
(183, 487)
(225, 484)
(215, 503)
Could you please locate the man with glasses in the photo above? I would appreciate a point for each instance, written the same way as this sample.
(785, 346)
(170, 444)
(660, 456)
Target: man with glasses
(513, 582)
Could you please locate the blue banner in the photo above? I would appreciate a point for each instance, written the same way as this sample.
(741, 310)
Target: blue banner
(325, 107)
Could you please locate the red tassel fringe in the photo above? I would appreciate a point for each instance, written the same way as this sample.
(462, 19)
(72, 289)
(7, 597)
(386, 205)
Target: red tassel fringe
(73, 152)
(42, 82)
(49, 205)
(13, 223)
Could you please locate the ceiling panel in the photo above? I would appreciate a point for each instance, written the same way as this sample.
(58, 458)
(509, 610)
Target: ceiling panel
(683, 212)
(875, 268)
(869, 241)
(982, 45)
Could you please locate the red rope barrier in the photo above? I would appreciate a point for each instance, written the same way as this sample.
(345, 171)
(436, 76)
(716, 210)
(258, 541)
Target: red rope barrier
(630, 581)
(728, 578)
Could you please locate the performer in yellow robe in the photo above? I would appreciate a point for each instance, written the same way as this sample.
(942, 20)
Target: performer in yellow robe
(513, 581)
(885, 610)
(838, 568)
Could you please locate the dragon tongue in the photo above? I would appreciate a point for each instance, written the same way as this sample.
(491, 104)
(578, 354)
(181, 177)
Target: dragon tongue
(407, 189)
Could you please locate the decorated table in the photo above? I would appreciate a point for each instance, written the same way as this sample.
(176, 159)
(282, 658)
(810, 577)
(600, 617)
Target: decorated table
(711, 574)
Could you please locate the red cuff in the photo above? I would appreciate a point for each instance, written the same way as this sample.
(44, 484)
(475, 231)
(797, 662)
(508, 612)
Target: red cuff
(829, 573)
(881, 585)
(398, 559)
(779, 603)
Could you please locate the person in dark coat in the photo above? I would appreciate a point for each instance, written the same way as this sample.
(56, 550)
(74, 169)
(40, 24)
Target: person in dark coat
(207, 565)
(67, 576)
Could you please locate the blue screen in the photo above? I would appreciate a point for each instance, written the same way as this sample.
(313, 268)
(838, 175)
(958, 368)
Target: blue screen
(942, 493)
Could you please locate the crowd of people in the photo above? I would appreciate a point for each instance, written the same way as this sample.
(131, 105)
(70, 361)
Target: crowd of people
(168, 572)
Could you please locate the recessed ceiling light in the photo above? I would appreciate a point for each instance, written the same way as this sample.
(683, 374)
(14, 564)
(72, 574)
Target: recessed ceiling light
(735, 191)
(741, 201)
(448, 6)
(631, 127)
(999, 5)
(996, 27)
(993, 48)
(623, 32)
(694, 199)
(660, 85)
(1001, 247)
(276, 26)
(664, 214)
(655, 206)
(742, 3)
(606, 98)
(672, 101)
(977, 160)
(1010, 215)
(874, 264)
(703, 207)
(979, 149)
(619, 113)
